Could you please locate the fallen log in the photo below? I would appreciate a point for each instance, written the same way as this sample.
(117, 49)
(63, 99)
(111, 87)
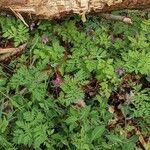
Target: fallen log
(50, 9)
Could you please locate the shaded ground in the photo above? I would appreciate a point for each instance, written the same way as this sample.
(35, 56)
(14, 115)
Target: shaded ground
(76, 85)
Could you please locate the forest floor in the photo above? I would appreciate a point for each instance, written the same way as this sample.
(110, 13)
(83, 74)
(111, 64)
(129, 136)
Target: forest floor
(69, 85)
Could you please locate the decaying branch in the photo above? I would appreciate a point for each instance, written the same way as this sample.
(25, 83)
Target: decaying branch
(58, 8)
(117, 18)
(9, 53)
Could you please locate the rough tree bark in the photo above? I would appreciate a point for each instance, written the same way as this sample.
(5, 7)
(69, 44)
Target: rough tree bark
(50, 9)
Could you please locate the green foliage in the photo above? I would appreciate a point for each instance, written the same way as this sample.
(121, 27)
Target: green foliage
(32, 79)
(138, 62)
(78, 86)
(30, 129)
(15, 30)
(72, 91)
(53, 53)
(140, 100)
(72, 87)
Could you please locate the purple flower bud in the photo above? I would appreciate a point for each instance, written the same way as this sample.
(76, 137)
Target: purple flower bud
(57, 82)
(45, 39)
(120, 71)
(32, 25)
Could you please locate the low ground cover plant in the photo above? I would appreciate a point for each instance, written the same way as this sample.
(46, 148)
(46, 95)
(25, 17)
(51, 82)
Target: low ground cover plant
(77, 86)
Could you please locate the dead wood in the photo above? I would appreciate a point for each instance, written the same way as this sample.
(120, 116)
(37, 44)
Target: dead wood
(50, 9)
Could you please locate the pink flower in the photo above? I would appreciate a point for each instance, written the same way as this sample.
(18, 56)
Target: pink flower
(32, 25)
(120, 71)
(58, 80)
(45, 39)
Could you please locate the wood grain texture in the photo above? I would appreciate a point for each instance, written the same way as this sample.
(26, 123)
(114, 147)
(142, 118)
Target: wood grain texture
(58, 8)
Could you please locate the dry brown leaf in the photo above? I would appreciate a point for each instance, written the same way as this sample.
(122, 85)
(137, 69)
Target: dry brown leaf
(80, 104)
(111, 109)
(142, 141)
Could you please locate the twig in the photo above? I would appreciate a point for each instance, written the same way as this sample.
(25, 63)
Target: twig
(13, 52)
(23, 91)
(6, 50)
(124, 19)
(83, 17)
(17, 14)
